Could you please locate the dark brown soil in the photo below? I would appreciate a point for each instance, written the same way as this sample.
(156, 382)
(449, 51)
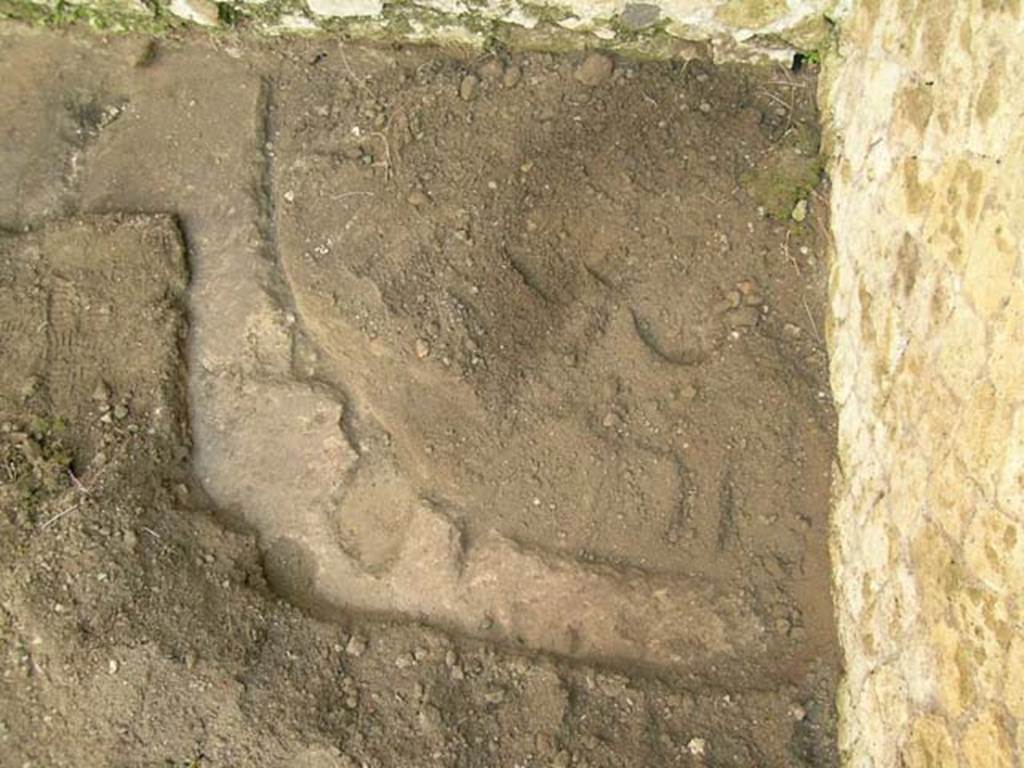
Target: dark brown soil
(275, 314)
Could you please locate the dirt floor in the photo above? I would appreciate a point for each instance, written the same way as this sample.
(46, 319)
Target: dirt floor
(380, 406)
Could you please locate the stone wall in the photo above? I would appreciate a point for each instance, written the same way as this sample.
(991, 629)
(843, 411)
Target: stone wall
(927, 343)
(729, 29)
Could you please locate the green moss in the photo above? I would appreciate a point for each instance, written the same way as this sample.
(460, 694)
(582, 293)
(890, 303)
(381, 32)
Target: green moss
(550, 13)
(401, 21)
(779, 187)
(101, 15)
(20, 10)
(627, 34)
(229, 15)
(34, 463)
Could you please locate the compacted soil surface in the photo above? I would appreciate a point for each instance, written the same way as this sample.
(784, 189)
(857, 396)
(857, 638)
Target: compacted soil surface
(390, 406)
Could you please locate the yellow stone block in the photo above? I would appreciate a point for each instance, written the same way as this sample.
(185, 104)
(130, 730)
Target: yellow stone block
(1014, 686)
(986, 743)
(929, 745)
(936, 568)
(983, 437)
(1010, 491)
(988, 277)
(951, 500)
(951, 683)
(994, 551)
(1006, 365)
(961, 353)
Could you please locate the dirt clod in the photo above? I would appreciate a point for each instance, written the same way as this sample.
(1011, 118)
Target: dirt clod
(469, 87)
(595, 69)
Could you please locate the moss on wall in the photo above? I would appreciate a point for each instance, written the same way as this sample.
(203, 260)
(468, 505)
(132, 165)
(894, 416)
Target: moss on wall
(730, 29)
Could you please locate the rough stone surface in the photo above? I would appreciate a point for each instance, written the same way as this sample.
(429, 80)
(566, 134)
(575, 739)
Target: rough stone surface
(732, 29)
(201, 12)
(344, 8)
(926, 338)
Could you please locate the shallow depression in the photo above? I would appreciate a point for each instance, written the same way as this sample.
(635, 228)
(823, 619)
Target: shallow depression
(532, 355)
(535, 361)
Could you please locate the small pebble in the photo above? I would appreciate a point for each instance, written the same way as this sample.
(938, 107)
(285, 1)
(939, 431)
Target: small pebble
(512, 77)
(289, 196)
(800, 211)
(705, 107)
(102, 393)
(422, 348)
(595, 69)
(697, 747)
(356, 646)
(112, 666)
(743, 317)
(492, 69)
(495, 696)
(405, 661)
(417, 198)
(469, 87)
(687, 392)
(751, 293)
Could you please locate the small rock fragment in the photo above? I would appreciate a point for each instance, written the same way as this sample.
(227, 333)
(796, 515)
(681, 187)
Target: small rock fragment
(637, 16)
(791, 331)
(512, 77)
(751, 293)
(430, 720)
(422, 348)
(595, 69)
(417, 198)
(743, 317)
(469, 87)
(113, 666)
(102, 392)
(492, 69)
(687, 392)
(356, 646)
(800, 211)
(202, 12)
(494, 696)
(404, 661)
(697, 747)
